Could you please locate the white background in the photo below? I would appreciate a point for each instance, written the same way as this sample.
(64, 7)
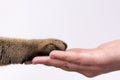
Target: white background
(80, 23)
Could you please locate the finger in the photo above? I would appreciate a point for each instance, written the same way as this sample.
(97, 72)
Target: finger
(41, 60)
(47, 61)
(54, 62)
(73, 57)
(68, 56)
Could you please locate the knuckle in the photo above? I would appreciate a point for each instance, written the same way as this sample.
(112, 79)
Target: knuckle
(65, 65)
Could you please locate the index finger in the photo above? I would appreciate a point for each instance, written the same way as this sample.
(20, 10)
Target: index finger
(69, 56)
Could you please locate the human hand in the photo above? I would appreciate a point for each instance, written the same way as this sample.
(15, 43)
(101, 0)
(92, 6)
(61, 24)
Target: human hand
(89, 62)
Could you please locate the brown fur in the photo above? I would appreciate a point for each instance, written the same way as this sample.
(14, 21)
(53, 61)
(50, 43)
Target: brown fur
(13, 51)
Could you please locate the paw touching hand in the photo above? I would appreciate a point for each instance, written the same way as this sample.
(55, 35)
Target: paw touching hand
(13, 51)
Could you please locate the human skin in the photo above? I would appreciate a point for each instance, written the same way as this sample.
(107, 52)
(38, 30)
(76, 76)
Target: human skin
(89, 62)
